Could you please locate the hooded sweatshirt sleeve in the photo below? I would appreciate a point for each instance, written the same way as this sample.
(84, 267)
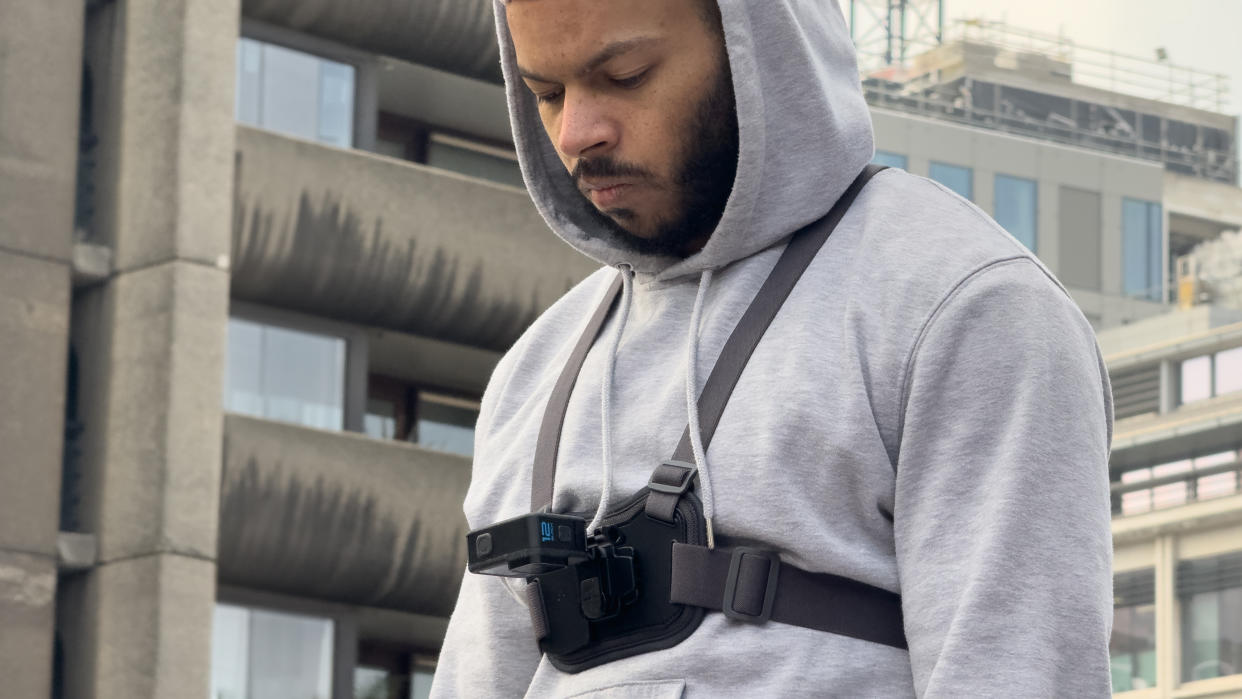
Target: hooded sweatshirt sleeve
(489, 649)
(1002, 515)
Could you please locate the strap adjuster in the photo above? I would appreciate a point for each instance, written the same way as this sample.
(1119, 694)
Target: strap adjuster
(769, 593)
(672, 477)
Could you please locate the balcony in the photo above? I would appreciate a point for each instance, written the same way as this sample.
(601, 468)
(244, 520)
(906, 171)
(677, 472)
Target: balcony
(376, 241)
(340, 516)
(1202, 427)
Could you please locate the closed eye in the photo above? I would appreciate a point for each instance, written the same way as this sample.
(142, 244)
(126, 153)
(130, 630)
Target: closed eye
(548, 97)
(631, 82)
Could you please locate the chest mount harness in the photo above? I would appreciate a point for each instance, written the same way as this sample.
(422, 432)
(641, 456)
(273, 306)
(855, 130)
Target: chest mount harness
(644, 579)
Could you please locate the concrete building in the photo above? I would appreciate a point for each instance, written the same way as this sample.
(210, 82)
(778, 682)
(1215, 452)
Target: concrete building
(1111, 189)
(258, 259)
(1177, 504)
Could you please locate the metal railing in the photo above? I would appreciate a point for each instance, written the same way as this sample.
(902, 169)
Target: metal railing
(1110, 70)
(1190, 478)
(1216, 165)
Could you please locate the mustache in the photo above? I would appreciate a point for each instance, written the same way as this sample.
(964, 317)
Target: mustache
(606, 167)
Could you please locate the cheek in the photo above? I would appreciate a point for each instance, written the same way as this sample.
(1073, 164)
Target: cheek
(551, 127)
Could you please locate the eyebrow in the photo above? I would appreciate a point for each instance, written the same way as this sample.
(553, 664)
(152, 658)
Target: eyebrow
(604, 55)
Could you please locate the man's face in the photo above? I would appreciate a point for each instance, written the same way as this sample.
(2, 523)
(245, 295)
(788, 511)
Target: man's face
(636, 97)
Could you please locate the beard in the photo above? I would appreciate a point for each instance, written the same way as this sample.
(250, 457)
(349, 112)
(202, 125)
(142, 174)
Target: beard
(704, 179)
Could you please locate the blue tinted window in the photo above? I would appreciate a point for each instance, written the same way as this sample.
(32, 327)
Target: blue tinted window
(883, 157)
(1141, 243)
(957, 178)
(1016, 204)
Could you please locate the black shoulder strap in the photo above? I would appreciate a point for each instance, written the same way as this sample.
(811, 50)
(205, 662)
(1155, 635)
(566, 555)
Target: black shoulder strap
(755, 321)
(803, 246)
(544, 476)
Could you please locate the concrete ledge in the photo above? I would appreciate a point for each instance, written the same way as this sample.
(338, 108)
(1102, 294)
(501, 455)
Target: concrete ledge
(454, 35)
(341, 517)
(372, 240)
(1193, 517)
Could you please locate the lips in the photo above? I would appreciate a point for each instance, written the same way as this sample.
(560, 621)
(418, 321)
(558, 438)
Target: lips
(608, 196)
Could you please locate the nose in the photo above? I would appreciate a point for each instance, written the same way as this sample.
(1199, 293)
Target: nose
(586, 127)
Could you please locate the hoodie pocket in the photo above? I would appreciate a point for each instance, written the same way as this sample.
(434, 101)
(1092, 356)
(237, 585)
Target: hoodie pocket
(652, 689)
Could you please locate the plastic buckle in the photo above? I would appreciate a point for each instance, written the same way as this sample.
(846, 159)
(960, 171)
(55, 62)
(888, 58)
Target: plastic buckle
(769, 594)
(688, 471)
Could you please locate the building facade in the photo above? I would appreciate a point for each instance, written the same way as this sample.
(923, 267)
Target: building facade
(259, 258)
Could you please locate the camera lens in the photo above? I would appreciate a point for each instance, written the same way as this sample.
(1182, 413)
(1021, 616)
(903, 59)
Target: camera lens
(483, 544)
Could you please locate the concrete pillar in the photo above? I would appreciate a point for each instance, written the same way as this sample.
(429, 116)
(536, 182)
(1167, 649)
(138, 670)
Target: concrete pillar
(1168, 659)
(40, 73)
(150, 342)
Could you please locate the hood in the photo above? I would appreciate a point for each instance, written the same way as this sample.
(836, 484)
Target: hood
(804, 133)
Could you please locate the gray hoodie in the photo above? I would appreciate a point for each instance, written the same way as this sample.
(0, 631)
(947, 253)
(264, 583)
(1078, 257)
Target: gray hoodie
(929, 414)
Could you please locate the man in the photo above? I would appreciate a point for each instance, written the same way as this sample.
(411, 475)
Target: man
(927, 414)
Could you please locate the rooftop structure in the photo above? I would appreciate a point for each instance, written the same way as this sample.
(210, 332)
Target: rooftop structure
(993, 76)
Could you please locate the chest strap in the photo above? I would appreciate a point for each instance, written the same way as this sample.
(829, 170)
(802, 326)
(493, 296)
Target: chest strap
(753, 585)
(746, 584)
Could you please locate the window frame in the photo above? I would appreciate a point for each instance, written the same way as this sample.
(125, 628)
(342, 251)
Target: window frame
(344, 627)
(366, 79)
(356, 351)
(893, 156)
(1185, 622)
(1154, 212)
(1034, 183)
(931, 167)
(1212, 377)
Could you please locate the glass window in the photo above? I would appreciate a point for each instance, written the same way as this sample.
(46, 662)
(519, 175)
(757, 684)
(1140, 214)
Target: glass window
(474, 159)
(1171, 494)
(380, 421)
(957, 178)
(1210, 591)
(1196, 379)
(260, 654)
(1132, 648)
(1218, 484)
(380, 683)
(1141, 242)
(1016, 204)
(421, 686)
(883, 157)
(295, 93)
(446, 424)
(374, 683)
(284, 374)
(1228, 375)
(1136, 501)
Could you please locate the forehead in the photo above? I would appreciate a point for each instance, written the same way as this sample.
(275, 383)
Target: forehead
(551, 35)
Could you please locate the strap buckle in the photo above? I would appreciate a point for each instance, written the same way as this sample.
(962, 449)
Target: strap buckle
(769, 593)
(672, 477)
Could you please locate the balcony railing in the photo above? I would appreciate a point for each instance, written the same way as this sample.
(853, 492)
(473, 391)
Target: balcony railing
(1189, 484)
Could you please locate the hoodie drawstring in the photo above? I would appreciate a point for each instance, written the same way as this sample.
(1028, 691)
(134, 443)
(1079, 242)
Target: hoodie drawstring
(692, 406)
(627, 293)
